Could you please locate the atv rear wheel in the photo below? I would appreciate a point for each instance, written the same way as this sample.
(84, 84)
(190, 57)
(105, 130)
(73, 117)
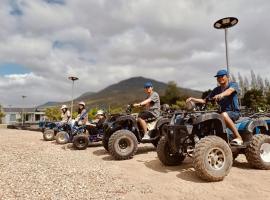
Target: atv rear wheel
(123, 145)
(166, 156)
(48, 135)
(62, 137)
(258, 152)
(212, 158)
(81, 141)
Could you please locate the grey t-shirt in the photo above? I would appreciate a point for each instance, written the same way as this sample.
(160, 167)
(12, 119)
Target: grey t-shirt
(154, 105)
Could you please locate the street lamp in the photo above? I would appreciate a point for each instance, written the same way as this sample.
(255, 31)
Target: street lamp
(73, 78)
(226, 23)
(23, 97)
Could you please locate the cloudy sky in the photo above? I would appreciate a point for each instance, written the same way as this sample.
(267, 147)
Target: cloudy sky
(42, 42)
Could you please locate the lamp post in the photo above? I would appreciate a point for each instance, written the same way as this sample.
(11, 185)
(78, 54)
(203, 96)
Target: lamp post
(73, 78)
(23, 97)
(226, 23)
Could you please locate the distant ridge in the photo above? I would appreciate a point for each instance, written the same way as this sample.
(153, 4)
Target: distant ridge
(128, 91)
(49, 104)
(123, 93)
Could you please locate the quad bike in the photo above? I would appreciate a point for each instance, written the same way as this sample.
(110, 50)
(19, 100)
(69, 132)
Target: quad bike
(43, 125)
(67, 135)
(52, 128)
(203, 136)
(95, 130)
(121, 136)
(73, 129)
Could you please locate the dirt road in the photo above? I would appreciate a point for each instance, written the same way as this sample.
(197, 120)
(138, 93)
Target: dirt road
(31, 168)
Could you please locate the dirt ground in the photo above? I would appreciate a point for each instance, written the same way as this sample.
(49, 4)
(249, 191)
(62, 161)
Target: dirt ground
(31, 168)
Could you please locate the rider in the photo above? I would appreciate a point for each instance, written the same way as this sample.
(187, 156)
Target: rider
(97, 122)
(82, 117)
(226, 96)
(99, 117)
(65, 115)
(152, 107)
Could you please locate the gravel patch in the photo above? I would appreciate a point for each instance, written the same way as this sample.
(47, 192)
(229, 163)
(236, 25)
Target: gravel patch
(34, 169)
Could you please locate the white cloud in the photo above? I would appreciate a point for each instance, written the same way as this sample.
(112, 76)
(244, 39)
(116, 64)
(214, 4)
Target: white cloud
(103, 42)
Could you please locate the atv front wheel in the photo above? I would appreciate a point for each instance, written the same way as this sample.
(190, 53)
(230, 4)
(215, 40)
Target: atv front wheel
(258, 152)
(48, 135)
(105, 143)
(212, 158)
(62, 137)
(165, 154)
(123, 145)
(81, 141)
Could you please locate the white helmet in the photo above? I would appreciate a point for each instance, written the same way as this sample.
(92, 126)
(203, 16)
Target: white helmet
(64, 107)
(82, 103)
(100, 112)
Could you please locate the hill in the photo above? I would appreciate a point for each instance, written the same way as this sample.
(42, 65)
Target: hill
(49, 104)
(127, 91)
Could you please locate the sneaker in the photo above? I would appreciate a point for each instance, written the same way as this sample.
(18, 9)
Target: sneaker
(146, 137)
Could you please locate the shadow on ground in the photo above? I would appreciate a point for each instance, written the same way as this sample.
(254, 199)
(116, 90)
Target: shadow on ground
(108, 157)
(186, 171)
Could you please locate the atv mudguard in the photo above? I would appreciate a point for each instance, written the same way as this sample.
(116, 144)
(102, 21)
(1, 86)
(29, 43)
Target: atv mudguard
(256, 123)
(220, 125)
(125, 118)
(161, 122)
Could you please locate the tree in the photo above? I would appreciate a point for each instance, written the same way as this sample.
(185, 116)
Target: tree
(246, 85)
(233, 79)
(254, 99)
(2, 114)
(267, 85)
(92, 112)
(260, 83)
(241, 84)
(181, 104)
(172, 94)
(206, 93)
(268, 98)
(254, 83)
(53, 114)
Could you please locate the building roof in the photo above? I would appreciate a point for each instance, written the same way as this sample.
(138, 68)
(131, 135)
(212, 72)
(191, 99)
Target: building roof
(18, 110)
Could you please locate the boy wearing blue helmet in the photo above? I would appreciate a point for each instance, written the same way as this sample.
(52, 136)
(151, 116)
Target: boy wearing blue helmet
(151, 105)
(226, 96)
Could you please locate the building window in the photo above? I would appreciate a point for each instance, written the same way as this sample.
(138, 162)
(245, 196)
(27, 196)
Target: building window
(12, 117)
(37, 117)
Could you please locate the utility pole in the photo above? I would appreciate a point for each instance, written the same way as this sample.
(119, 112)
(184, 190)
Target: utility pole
(226, 23)
(72, 78)
(23, 97)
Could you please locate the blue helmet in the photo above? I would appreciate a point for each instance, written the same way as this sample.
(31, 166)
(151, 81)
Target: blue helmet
(148, 84)
(221, 72)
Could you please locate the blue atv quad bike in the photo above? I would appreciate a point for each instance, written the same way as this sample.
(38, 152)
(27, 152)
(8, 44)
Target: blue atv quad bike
(122, 134)
(67, 135)
(50, 129)
(73, 129)
(203, 136)
(43, 125)
(95, 134)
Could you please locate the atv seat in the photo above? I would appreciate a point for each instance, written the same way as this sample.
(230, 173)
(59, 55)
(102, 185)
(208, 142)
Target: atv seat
(241, 119)
(152, 119)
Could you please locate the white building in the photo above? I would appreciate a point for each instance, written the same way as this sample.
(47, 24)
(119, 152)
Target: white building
(14, 115)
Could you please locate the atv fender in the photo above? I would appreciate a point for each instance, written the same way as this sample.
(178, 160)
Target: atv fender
(125, 118)
(161, 122)
(256, 123)
(220, 125)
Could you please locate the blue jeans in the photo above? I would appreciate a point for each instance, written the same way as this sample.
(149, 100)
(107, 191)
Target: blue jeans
(233, 115)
